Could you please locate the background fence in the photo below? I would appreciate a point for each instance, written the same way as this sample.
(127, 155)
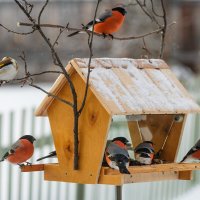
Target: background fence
(15, 185)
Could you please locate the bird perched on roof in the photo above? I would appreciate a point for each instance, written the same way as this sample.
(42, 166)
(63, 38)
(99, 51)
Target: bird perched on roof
(144, 152)
(116, 154)
(20, 151)
(52, 154)
(8, 69)
(108, 23)
(193, 154)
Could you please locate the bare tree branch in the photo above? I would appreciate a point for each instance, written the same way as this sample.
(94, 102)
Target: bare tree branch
(97, 34)
(52, 95)
(18, 33)
(164, 29)
(90, 42)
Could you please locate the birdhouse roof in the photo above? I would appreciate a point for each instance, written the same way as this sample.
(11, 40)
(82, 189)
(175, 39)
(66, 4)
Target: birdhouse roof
(130, 86)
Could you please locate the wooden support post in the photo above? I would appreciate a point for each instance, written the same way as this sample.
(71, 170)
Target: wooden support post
(118, 192)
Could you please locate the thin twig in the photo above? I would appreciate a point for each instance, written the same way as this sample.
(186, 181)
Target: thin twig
(164, 29)
(18, 33)
(142, 6)
(38, 74)
(153, 10)
(52, 95)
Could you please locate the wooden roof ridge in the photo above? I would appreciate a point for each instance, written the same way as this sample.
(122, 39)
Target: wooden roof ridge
(124, 92)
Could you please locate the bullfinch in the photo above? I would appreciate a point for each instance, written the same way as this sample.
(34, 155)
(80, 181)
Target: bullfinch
(8, 69)
(108, 23)
(116, 154)
(144, 152)
(20, 151)
(193, 154)
(51, 155)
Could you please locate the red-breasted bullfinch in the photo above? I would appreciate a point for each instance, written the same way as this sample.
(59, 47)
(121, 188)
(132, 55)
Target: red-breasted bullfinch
(144, 152)
(107, 23)
(8, 69)
(51, 155)
(20, 151)
(193, 154)
(116, 154)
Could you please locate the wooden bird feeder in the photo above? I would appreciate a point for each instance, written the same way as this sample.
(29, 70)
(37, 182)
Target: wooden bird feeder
(145, 91)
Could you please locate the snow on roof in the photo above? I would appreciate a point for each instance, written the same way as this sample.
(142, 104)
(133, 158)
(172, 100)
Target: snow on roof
(135, 86)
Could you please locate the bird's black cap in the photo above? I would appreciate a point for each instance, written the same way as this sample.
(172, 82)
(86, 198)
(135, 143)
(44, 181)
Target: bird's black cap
(28, 137)
(121, 139)
(120, 9)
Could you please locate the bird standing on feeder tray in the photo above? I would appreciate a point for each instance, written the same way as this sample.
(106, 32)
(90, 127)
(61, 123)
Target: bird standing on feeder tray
(20, 151)
(144, 153)
(116, 154)
(8, 69)
(52, 154)
(108, 23)
(193, 154)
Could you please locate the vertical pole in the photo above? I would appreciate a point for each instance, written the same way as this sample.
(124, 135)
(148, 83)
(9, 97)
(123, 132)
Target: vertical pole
(118, 192)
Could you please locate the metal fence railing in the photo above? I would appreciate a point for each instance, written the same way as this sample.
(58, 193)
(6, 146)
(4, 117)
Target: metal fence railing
(15, 185)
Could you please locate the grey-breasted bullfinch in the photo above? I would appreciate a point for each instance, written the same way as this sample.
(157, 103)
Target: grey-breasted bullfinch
(8, 69)
(50, 155)
(20, 151)
(116, 154)
(193, 154)
(144, 152)
(107, 23)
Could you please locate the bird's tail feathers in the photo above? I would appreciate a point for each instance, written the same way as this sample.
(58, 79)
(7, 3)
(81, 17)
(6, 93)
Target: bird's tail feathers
(52, 154)
(1, 160)
(42, 158)
(123, 169)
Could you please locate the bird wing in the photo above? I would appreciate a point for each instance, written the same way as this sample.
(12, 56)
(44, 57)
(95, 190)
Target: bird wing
(12, 150)
(102, 18)
(105, 15)
(114, 149)
(145, 146)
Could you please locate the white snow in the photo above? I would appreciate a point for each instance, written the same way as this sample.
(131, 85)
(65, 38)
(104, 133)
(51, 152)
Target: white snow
(119, 82)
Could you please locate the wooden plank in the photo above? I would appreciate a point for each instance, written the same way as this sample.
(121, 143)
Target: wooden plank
(170, 167)
(171, 147)
(56, 173)
(151, 64)
(134, 133)
(185, 175)
(94, 123)
(151, 177)
(132, 90)
(32, 168)
(116, 178)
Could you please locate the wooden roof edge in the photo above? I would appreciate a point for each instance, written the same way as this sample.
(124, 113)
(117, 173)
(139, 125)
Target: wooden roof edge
(140, 63)
(81, 74)
(156, 112)
(41, 110)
